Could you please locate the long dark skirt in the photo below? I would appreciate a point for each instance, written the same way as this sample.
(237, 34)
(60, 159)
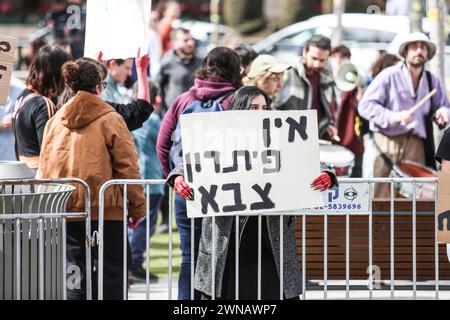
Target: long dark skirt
(248, 266)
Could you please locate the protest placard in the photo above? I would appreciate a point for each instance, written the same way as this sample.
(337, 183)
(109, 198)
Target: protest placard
(7, 53)
(250, 162)
(117, 28)
(443, 212)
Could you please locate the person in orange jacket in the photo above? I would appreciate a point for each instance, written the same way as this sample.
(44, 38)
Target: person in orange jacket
(87, 139)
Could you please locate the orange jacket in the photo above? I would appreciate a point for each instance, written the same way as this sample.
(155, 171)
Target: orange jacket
(87, 139)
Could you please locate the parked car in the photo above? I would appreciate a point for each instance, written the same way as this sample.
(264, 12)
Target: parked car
(204, 31)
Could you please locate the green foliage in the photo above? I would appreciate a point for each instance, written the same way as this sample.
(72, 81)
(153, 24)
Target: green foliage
(159, 254)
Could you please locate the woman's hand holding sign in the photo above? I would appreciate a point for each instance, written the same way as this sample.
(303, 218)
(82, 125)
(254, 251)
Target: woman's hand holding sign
(142, 62)
(182, 188)
(323, 182)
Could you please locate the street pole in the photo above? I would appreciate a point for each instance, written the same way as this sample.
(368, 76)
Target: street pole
(338, 10)
(437, 35)
(215, 19)
(416, 12)
(436, 13)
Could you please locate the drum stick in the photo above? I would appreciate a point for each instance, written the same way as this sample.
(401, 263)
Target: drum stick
(325, 142)
(421, 102)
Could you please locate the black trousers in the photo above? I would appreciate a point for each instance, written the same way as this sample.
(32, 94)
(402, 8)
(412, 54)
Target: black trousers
(248, 265)
(112, 264)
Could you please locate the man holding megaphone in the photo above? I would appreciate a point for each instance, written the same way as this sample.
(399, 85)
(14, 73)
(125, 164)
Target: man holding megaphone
(399, 104)
(349, 92)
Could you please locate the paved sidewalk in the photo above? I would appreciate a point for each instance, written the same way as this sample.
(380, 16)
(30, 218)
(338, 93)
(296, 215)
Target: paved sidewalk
(336, 291)
(158, 291)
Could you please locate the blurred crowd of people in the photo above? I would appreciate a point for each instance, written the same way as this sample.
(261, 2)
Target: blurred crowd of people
(100, 120)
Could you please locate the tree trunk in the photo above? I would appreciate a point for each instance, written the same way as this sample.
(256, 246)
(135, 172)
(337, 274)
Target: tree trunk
(234, 12)
(244, 15)
(416, 13)
(436, 13)
(299, 10)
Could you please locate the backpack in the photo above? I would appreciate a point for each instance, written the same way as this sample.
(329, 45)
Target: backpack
(196, 106)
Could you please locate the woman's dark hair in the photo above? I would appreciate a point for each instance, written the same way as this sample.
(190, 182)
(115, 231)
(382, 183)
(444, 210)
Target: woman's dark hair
(246, 54)
(82, 75)
(384, 61)
(242, 98)
(45, 71)
(222, 62)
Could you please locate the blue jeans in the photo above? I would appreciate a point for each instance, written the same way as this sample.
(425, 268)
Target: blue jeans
(184, 230)
(137, 236)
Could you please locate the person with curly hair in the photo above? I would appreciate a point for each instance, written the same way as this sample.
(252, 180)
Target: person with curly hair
(89, 140)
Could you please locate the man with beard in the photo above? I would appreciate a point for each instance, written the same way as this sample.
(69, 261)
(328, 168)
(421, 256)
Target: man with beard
(400, 134)
(178, 67)
(310, 85)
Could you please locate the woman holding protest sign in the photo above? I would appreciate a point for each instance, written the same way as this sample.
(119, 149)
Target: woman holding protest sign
(247, 98)
(215, 83)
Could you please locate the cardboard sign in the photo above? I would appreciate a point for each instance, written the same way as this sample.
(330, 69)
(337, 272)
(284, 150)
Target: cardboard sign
(117, 28)
(348, 198)
(7, 53)
(443, 212)
(250, 162)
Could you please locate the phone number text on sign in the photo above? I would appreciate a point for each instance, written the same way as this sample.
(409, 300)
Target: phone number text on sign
(347, 198)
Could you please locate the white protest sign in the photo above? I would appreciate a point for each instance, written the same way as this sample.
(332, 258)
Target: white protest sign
(351, 198)
(7, 53)
(117, 28)
(250, 162)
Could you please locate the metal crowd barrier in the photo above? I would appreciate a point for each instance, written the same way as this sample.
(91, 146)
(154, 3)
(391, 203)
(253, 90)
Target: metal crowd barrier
(415, 182)
(33, 238)
(101, 220)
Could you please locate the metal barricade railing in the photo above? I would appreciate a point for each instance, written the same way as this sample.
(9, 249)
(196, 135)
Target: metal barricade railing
(101, 221)
(304, 265)
(39, 214)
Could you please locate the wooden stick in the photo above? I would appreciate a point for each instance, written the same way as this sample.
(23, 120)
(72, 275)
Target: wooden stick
(422, 102)
(325, 142)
